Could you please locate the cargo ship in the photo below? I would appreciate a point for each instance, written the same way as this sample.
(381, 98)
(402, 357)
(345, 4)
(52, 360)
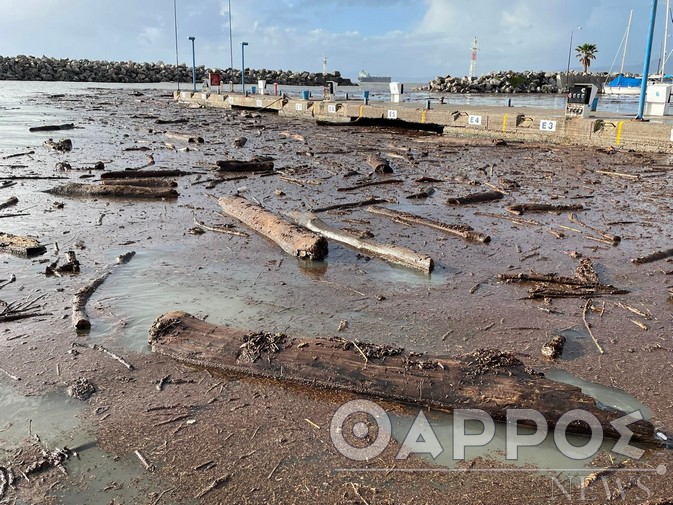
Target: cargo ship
(366, 77)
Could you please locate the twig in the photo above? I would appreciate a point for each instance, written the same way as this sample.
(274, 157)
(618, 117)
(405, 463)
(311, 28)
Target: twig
(162, 494)
(214, 485)
(143, 460)
(13, 377)
(588, 327)
(102, 349)
(171, 420)
(220, 229)
(360, 351)
(355, 489)
(268, 477)
(312, 423)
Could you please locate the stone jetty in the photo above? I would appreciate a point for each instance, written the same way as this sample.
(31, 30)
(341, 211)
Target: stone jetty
(31, 68)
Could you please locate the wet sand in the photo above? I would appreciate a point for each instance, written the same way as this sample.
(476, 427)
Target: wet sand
(271, 440)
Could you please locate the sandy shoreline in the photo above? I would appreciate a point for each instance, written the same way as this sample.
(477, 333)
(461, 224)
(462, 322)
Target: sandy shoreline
(272, 441)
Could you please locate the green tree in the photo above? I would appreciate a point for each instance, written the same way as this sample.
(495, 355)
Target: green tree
(586, 53)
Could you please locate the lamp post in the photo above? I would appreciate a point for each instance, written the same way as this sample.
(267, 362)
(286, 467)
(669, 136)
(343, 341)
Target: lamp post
(243, 44)
(570, 50)
(177, 59)
(231, 44)
(193, 65)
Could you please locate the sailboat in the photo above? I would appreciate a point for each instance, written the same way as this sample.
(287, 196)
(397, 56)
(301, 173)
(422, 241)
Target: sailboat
(623, 85)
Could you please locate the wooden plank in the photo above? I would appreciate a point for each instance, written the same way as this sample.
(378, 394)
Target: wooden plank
(20, 246)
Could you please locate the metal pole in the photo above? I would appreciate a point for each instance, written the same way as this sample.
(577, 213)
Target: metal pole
(193, 65)
(663, 57)
(243, 44)
(570, 50)
(231, 43)
(177, 60)
(646, 63)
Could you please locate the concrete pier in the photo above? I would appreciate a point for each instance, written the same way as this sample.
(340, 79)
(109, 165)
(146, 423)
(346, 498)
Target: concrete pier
(601, 129)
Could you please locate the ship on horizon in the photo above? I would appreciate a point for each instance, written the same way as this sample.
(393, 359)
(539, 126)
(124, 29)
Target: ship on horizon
(366, 77)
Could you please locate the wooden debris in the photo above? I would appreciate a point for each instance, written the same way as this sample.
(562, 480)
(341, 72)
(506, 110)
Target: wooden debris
(588, 304)
(144, 181)
(20, 246)
(63, 145)
(143, 460)
(392, 253)
(17, 155)
(221, 229)
(55, 458)
(185, 137)
(554, 348)
(370, 183)
(522, 208)
(351, 205)
(460, 230)
(50, 128)
(586, 272)
(292, 239)
(130, 174)
(104, 350)
(614, 239)
(214, 485)
(422, 194)
(500, 378)
(655, 256)
(11, 376)
(486, 196)
(618, 174)
(125, 191)
(244, 166)
(172, 121)
(379, 165)
(516, 220)
(9, 202)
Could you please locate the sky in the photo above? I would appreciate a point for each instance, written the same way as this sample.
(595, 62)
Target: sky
(410, 40)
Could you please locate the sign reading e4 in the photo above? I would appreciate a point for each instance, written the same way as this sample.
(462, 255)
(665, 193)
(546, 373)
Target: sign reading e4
(474, 120)
(547, 126)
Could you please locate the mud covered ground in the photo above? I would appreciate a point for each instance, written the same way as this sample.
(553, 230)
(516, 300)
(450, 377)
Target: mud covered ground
(264, 442)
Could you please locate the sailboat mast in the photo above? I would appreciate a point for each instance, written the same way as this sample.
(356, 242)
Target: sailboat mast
(663, 59)
(626, 41)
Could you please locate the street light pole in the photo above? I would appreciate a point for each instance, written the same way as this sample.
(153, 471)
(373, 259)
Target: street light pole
(193, 65)
(231, 43)
(243, 44)
(177, 59)
(570, 50)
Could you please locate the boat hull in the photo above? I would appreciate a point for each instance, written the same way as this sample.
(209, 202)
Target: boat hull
(374, 79)
(621, 90)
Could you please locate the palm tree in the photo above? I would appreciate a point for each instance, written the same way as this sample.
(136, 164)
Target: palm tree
(586, 53)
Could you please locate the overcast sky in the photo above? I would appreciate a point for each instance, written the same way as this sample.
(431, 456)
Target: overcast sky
(411, 40)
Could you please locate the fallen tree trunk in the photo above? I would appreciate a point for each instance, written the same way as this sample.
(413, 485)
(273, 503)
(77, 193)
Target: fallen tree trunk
(291, 238)
(185, 137)
(244, 166)
(392, 253)
(655, 256)
(486, 196)
(75, 189)
(50, 128)
(130, 174)
(158, 182)
(20, 246)
(522, 208)
(486, 379)
(460, 230)
(12, 200)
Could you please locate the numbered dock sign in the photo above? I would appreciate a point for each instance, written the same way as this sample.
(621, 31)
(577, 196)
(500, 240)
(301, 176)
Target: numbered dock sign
(474, 120)
(547, 125)
(259, 103)
(331, 108)
(299, 106)
(392, 114)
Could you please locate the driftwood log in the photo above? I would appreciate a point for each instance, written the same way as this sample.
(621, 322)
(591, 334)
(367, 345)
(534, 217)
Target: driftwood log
(244, 166)
(12, 200)
(486, 379)
(20, 246)
(655, 256)
(131, 174)
(127, 191)
(53, 127)
(392, 253)
(158, 182)
(459, 230)
(185, 137)
(291, 238)
(486, 196)
(522, 208)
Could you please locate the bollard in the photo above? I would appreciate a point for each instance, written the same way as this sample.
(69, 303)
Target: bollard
(427, 104)
(365, 97)
(346, 96)
(509, 102)
(275, 88)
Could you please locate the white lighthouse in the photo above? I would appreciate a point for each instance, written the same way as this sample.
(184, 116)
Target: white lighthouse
(473, 60)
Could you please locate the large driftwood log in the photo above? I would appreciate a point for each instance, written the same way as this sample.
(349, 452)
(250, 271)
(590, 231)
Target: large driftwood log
(486, 196)
(522, 208)
(291, 238)
(20, 246)
(131, 174)
(127, 191)
(158, 182)
(50, 128)
(392, 253)
(244, 166)
(460, 230)
(490, 380)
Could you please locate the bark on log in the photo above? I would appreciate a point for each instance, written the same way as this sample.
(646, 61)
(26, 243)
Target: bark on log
(20, 246)
(542, 207)
(656, 256)
(244, 166)
(127, 191)
(291, 238)
(392, 253)
(485, 379)
(486, 196)
(145, 182)
(460, 230)
(12, 200)
(185, 137)
(50, 128)
(379, 164)
(130, 174)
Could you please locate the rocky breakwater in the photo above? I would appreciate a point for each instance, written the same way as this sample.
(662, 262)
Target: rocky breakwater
(497, 82)
(31, 68)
